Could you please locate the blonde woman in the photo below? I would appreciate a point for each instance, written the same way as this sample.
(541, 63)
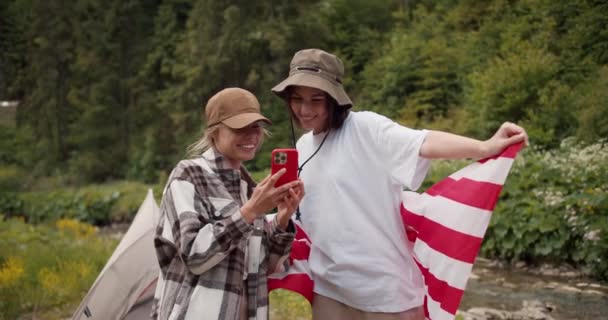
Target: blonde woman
(213, 243)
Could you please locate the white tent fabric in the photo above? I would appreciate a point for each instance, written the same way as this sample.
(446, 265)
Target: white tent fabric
(125, 287)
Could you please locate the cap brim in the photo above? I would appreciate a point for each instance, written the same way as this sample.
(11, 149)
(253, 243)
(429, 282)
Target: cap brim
(313, 81)
(244, 119)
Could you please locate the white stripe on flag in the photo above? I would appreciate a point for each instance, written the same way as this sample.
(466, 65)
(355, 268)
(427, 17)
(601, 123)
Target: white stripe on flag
(454, 272)
(494, 171)
(448, 213)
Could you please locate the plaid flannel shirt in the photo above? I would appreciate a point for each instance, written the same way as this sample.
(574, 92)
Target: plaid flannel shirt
(202, 246)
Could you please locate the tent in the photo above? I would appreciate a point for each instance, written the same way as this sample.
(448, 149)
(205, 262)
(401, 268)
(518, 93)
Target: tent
(125, 287)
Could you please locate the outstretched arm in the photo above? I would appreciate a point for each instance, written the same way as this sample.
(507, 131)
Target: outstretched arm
(443, 145)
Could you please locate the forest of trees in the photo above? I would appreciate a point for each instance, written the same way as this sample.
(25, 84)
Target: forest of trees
(115, 89)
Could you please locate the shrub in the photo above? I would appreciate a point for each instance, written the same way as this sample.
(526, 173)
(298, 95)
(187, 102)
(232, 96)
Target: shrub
(96, 204)
(10, 204)
(555, 207)
(84, 205)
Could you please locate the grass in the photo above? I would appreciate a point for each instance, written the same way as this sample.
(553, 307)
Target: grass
(46, 269)
(7, 116)
(286, 305)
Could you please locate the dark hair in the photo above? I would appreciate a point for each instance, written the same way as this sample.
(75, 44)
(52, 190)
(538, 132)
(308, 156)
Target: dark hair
(336, 113)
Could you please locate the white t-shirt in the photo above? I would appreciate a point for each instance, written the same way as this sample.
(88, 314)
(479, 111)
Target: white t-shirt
(351, 212)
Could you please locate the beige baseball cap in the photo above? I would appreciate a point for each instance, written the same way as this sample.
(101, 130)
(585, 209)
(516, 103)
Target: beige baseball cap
(234, 107)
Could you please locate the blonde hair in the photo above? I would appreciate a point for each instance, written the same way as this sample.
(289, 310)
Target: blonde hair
(207, 141)
(204, 143)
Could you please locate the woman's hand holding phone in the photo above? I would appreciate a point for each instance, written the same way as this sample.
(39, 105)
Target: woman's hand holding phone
(266, 196)
(287, 207)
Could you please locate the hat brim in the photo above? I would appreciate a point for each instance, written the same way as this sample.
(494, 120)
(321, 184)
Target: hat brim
(244, 119)
(312, 80)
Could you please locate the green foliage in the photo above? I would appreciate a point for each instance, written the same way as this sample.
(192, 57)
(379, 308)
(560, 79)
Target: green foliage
(358, 30)
(580, 30)
(418, 78)
(91, 207)
(46, 77)
(593, 105)
(259, 175)
(392, 77)
(44, 269)
(520, 87)
(116, 90)
(131, 195)
(8, 146)
(94, 204)
(11, 178)
(10, 204)
(12, 45)
(555, 207)
(115, 35)
(441, 169)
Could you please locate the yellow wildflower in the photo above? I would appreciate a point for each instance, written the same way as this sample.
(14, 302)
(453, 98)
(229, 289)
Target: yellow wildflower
(78, 229)
(11, 271)
(49, 280)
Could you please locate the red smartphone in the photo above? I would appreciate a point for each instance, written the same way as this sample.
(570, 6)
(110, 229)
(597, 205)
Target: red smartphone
(284, 158)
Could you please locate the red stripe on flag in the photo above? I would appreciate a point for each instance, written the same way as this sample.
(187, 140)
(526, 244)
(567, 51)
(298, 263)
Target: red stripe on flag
(482, 195)
(452, 243)
(412, 222)
(297, 282)
(410, 232)
(447, 296)
(300, 250)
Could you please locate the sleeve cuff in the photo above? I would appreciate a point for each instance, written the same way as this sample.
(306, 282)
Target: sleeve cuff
(275, 227)
(241, 224)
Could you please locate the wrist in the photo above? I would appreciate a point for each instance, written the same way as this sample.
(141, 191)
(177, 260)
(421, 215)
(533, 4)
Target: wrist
(283, 221)
(247, 213)
(484, 149)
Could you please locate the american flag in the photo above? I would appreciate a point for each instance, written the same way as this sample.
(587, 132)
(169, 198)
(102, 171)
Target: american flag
(444, 225)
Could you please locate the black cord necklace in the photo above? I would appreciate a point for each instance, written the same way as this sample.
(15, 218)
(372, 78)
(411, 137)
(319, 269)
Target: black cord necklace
(314, 153)
(293, 137)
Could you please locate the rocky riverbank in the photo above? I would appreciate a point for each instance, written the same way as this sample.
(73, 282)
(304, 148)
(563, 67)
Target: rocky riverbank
(499, 292)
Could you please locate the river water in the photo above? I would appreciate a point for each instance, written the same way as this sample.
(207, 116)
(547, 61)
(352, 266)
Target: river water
(559, 294)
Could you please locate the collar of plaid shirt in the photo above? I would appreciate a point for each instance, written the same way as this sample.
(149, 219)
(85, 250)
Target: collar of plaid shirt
(231, 177)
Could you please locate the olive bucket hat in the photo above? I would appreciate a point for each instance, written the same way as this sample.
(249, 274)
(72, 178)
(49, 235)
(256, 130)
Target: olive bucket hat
(318, 69)
(234, 107)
